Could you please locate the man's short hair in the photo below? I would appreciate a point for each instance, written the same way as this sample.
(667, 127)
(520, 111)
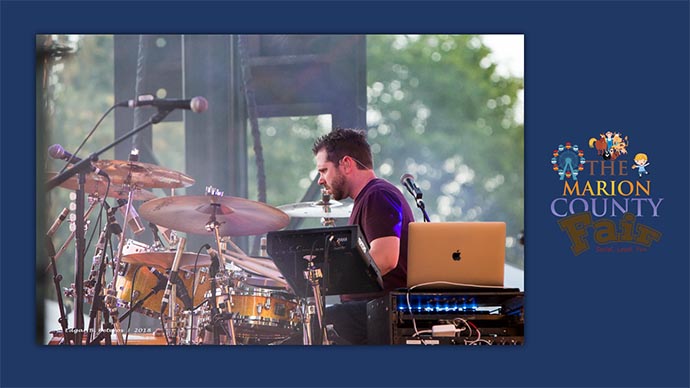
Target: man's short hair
(342, 142)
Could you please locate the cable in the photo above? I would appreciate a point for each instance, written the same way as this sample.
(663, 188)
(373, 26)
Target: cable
(479, 336)
(87, 138)
(196, 261)
(100, 217)
(99, 223)
(414, 320)
(417, 333)
(454, 284)
(131, 302)
(165, 333)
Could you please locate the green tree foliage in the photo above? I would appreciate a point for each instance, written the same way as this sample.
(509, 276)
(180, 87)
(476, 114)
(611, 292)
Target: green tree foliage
(438, 109)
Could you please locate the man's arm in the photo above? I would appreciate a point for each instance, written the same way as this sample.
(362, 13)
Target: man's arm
(385, 251)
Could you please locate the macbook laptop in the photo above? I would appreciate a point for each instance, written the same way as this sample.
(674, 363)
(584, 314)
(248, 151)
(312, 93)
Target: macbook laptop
(448, 255)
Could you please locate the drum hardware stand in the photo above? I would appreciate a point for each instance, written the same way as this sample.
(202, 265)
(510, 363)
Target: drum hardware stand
(111, 293)
(171, 290)
(217, 317)
(313, 275)
(96, 280)
(326, 203)
(80, 169)
(308, 311)
(157, 243)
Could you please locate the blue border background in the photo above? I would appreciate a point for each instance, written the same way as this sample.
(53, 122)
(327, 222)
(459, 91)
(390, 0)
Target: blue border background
(591, 320)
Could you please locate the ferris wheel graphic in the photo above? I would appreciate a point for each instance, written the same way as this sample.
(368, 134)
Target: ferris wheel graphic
(568, 160)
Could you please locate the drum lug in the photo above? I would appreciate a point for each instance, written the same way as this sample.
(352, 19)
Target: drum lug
(267, 305)
(123, 267)
(259, 308)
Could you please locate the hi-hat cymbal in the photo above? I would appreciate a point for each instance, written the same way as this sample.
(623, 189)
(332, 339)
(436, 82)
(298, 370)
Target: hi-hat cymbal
(165, 259)
(96, 185)
(236, 216)
(318, 209)
(144, 175)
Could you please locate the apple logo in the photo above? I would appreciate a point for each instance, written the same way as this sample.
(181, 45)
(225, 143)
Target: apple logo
(456, 255)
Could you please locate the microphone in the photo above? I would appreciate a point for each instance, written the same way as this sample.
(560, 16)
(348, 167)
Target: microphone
(56, 151)
(196, 104)
(407, 180)
(57, 222)
(133, 220)
(173, 273)
(162, 280)
(156, 238)
(215, 261)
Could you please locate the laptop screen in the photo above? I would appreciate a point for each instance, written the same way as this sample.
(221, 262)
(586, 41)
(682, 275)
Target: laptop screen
(447, 255)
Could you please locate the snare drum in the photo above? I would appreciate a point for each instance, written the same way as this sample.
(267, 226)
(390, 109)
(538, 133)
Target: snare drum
(262, 313)
(138, 281)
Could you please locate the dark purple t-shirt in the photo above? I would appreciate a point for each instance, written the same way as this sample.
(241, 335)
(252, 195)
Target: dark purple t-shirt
(381, 210)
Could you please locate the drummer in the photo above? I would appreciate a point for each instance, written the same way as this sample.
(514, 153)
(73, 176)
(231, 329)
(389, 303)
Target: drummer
(345, 164)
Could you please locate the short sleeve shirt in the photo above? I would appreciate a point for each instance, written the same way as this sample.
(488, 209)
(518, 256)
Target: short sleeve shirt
(381, 210)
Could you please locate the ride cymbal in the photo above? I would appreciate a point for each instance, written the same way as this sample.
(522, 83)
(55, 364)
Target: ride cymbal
(235, 216)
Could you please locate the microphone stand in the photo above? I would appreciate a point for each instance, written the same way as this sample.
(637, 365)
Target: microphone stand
(80, 169)
(96, 280)
(50, 248)
(417, 195)
(420, 204)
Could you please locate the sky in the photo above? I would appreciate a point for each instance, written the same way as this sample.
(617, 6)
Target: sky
(509, 55)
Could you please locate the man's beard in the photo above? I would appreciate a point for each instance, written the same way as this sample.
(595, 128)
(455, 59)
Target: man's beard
(337, 187)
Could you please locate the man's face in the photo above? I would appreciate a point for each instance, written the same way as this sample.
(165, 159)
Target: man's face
(331, 177)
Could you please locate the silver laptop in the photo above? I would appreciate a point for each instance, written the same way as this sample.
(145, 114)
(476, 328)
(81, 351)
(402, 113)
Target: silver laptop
(447, 255)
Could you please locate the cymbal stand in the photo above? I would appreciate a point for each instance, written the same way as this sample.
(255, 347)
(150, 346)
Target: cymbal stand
(313, 275)
(214, 225)
(111, 293)
(308, 311)
(326, 203)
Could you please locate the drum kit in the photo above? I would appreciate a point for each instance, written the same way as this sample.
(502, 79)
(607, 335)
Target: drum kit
(220, 297)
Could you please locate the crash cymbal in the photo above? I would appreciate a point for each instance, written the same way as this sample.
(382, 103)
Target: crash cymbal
(318, 209)
(165, 259)
(96, 185)
(236, 216)
(144, 175)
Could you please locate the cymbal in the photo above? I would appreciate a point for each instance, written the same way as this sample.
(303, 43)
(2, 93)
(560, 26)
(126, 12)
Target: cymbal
(96, 185)
(144, 175)
(261, 270)
(165, 259)
(237, 216)
(318, 209)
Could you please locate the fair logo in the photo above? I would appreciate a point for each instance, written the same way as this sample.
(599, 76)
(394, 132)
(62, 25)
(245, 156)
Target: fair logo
(605, 196)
